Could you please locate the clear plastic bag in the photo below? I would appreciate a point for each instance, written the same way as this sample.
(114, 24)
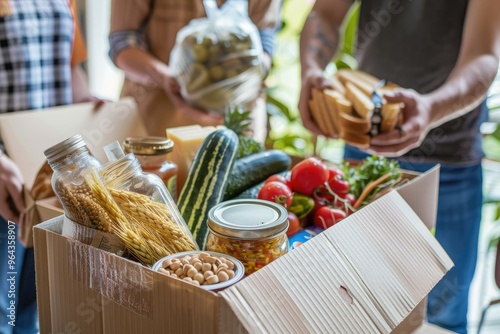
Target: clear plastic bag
(218, 59)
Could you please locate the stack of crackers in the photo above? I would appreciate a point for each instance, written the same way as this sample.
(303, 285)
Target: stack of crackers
(347, 110)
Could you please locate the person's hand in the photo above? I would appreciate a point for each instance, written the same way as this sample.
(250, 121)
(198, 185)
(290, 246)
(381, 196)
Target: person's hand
(198, 115)
(11, 187)
(312, 78)
(416, 125)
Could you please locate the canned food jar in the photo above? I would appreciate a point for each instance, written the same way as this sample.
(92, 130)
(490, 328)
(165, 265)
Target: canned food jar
(251, 230)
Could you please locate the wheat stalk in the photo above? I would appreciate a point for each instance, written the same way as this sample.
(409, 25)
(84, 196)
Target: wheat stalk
(146, 227)
(157, 216)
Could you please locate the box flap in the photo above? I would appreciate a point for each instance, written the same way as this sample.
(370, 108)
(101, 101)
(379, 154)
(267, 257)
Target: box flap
(27, 134)
(49, 208)
(421, 193)
(363, 275)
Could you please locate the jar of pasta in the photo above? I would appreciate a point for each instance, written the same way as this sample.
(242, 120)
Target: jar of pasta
(253, 231)
(152, 153)
(144, 199)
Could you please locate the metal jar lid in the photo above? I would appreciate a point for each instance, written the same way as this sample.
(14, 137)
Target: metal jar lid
(64, 148)
(248, 219)
(148, 145)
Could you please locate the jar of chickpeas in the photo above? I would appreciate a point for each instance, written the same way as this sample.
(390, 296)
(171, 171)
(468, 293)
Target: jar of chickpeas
(253, 231)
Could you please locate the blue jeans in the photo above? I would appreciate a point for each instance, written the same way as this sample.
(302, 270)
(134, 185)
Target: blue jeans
(24, 294)
(457, 230)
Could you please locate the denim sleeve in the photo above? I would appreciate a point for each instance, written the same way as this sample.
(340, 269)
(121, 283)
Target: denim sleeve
(267, 37)
(121, 40)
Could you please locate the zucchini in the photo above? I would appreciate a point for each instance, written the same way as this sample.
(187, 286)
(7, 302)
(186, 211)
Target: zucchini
(253, 169)
(206, 181)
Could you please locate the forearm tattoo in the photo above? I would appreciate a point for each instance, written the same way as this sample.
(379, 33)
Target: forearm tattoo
(324, 39)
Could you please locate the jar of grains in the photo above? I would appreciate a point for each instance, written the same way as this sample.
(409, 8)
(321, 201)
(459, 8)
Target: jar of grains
(69, 159)
(253, 231)
(152, 153)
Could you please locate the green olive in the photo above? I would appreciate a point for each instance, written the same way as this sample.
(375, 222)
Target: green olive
(200, 53)
(216, 73)
(243, 46)
(214, 51)
(232, 64)
(231, 73)
(207, 41)
(228, 46)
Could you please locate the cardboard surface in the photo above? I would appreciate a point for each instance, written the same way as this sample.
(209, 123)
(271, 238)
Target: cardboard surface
(367, 274)
(27, 134)
(383, 256)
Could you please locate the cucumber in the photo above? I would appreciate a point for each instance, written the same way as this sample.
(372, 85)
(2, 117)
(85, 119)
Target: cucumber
(253, 169)
(207, 180)
(251, 192)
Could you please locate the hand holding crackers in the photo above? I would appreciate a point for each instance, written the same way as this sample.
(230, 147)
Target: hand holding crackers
(354, 110)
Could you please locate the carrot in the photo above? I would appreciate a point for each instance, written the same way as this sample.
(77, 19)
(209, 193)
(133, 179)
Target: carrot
(369, 187)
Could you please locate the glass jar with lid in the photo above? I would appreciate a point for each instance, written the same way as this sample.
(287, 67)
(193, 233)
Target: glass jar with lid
(68, 159)
(152, 153)
(253, 231)
(138, 194)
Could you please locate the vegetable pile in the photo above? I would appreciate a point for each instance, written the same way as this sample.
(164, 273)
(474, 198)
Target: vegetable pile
(313, 192)
(322, 195)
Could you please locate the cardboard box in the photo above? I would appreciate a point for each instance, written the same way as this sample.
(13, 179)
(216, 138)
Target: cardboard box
(368, 274)
(27, 134)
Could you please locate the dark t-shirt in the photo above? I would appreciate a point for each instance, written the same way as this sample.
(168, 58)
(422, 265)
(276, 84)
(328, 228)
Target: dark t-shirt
(415, 43)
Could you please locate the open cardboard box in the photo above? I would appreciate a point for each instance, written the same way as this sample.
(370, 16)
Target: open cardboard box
(27, 134)
(368, 274)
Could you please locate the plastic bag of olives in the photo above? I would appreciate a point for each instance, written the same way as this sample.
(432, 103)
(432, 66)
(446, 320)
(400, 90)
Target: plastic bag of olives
(218, 59)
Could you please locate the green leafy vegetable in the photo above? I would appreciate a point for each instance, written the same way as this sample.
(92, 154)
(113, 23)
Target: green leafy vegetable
(372, 168)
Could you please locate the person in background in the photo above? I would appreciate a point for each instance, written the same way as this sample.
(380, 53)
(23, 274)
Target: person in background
(41, 50)
(141, 39)
(446, 54)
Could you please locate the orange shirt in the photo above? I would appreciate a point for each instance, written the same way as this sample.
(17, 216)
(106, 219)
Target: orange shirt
(79, 52)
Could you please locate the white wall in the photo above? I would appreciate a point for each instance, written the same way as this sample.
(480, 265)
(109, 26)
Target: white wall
(105, 80)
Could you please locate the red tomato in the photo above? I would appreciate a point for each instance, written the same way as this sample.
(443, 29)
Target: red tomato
(308, 175)
(276, 192)
(350, 197)
(319, 201)
(278, 178)
(352, 200)
(337, 182)
(326, 217)
(333, 171)
(294, 226)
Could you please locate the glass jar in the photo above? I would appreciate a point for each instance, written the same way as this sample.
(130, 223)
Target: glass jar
(68, 159)
(253, 231)
(152, 155)
(127, 178)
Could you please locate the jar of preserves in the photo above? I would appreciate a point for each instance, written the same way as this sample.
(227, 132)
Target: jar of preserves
(253, 231)
(152, 155)
(144, 197)
(68, 159)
